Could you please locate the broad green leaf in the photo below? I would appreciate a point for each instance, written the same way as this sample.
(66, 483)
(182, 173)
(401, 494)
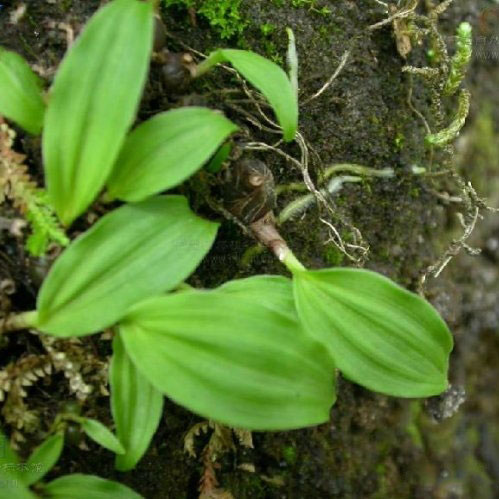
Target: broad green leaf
(93, 102)
(165, 150)
(241, 359)
(380, 335)
(268, 78)
(136, 406)
(134, 252)
(11, 480)
(78, 486)
(279, 287)
(21, 98)
(43, 459)
(101, 434)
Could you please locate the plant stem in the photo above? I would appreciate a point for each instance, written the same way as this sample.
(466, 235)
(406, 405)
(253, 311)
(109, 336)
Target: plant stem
(292, 263)
(16, 322)
(212, 60)
(452, 131)
(266, 232)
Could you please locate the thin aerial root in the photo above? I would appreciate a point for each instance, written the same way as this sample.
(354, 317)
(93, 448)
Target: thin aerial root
(343, 61)
(398, 15)
(455, 247)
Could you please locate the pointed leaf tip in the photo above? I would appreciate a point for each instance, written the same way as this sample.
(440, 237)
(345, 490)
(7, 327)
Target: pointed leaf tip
(268, 78)
(133, 252)
(93, 102)
(380, 335)
(165, 150)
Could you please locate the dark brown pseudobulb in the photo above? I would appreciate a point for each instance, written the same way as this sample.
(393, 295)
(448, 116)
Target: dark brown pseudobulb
(249, 190)
(176, 70)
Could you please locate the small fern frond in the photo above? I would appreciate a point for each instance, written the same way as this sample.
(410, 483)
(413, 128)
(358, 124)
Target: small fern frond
(17, 186)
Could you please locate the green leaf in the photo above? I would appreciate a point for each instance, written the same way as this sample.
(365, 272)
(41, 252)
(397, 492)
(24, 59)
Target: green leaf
(132, 253)
(165, 150)
(21, 98)
(93, 102)
(216, 162)
(136, 406)
(43, 459)
(7, 454)
(11, 479)
(292, 60)
(78, 486)
(380, 335)
(280, 288)
(101, 434)
(268, 78)
(241, 359)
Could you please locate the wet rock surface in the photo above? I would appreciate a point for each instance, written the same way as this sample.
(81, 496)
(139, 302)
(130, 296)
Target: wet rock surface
(374, 446)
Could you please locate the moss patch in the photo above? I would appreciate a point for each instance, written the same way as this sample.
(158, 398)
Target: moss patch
(223, 15)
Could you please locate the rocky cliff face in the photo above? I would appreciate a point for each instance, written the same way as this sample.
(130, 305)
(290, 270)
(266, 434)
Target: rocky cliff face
(370, 115)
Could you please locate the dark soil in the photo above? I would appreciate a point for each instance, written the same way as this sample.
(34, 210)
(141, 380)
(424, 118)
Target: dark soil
(374, 446)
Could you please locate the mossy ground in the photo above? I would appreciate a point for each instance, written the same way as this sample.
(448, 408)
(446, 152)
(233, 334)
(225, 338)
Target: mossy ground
(374, 446)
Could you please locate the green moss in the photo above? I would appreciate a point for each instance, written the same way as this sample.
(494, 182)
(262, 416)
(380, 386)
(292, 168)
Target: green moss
(399, 140)
(271, 50)
(382, 491)
(223, 15)
(415, 192)
(267, 28)
(65, 5)
(412, 428)
(431, 57)
(306, 4)
(333, 256)
(289, 454)
(310, 4)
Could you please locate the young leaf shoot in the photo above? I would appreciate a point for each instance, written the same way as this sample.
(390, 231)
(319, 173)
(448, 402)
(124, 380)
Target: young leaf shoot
(268, 78)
